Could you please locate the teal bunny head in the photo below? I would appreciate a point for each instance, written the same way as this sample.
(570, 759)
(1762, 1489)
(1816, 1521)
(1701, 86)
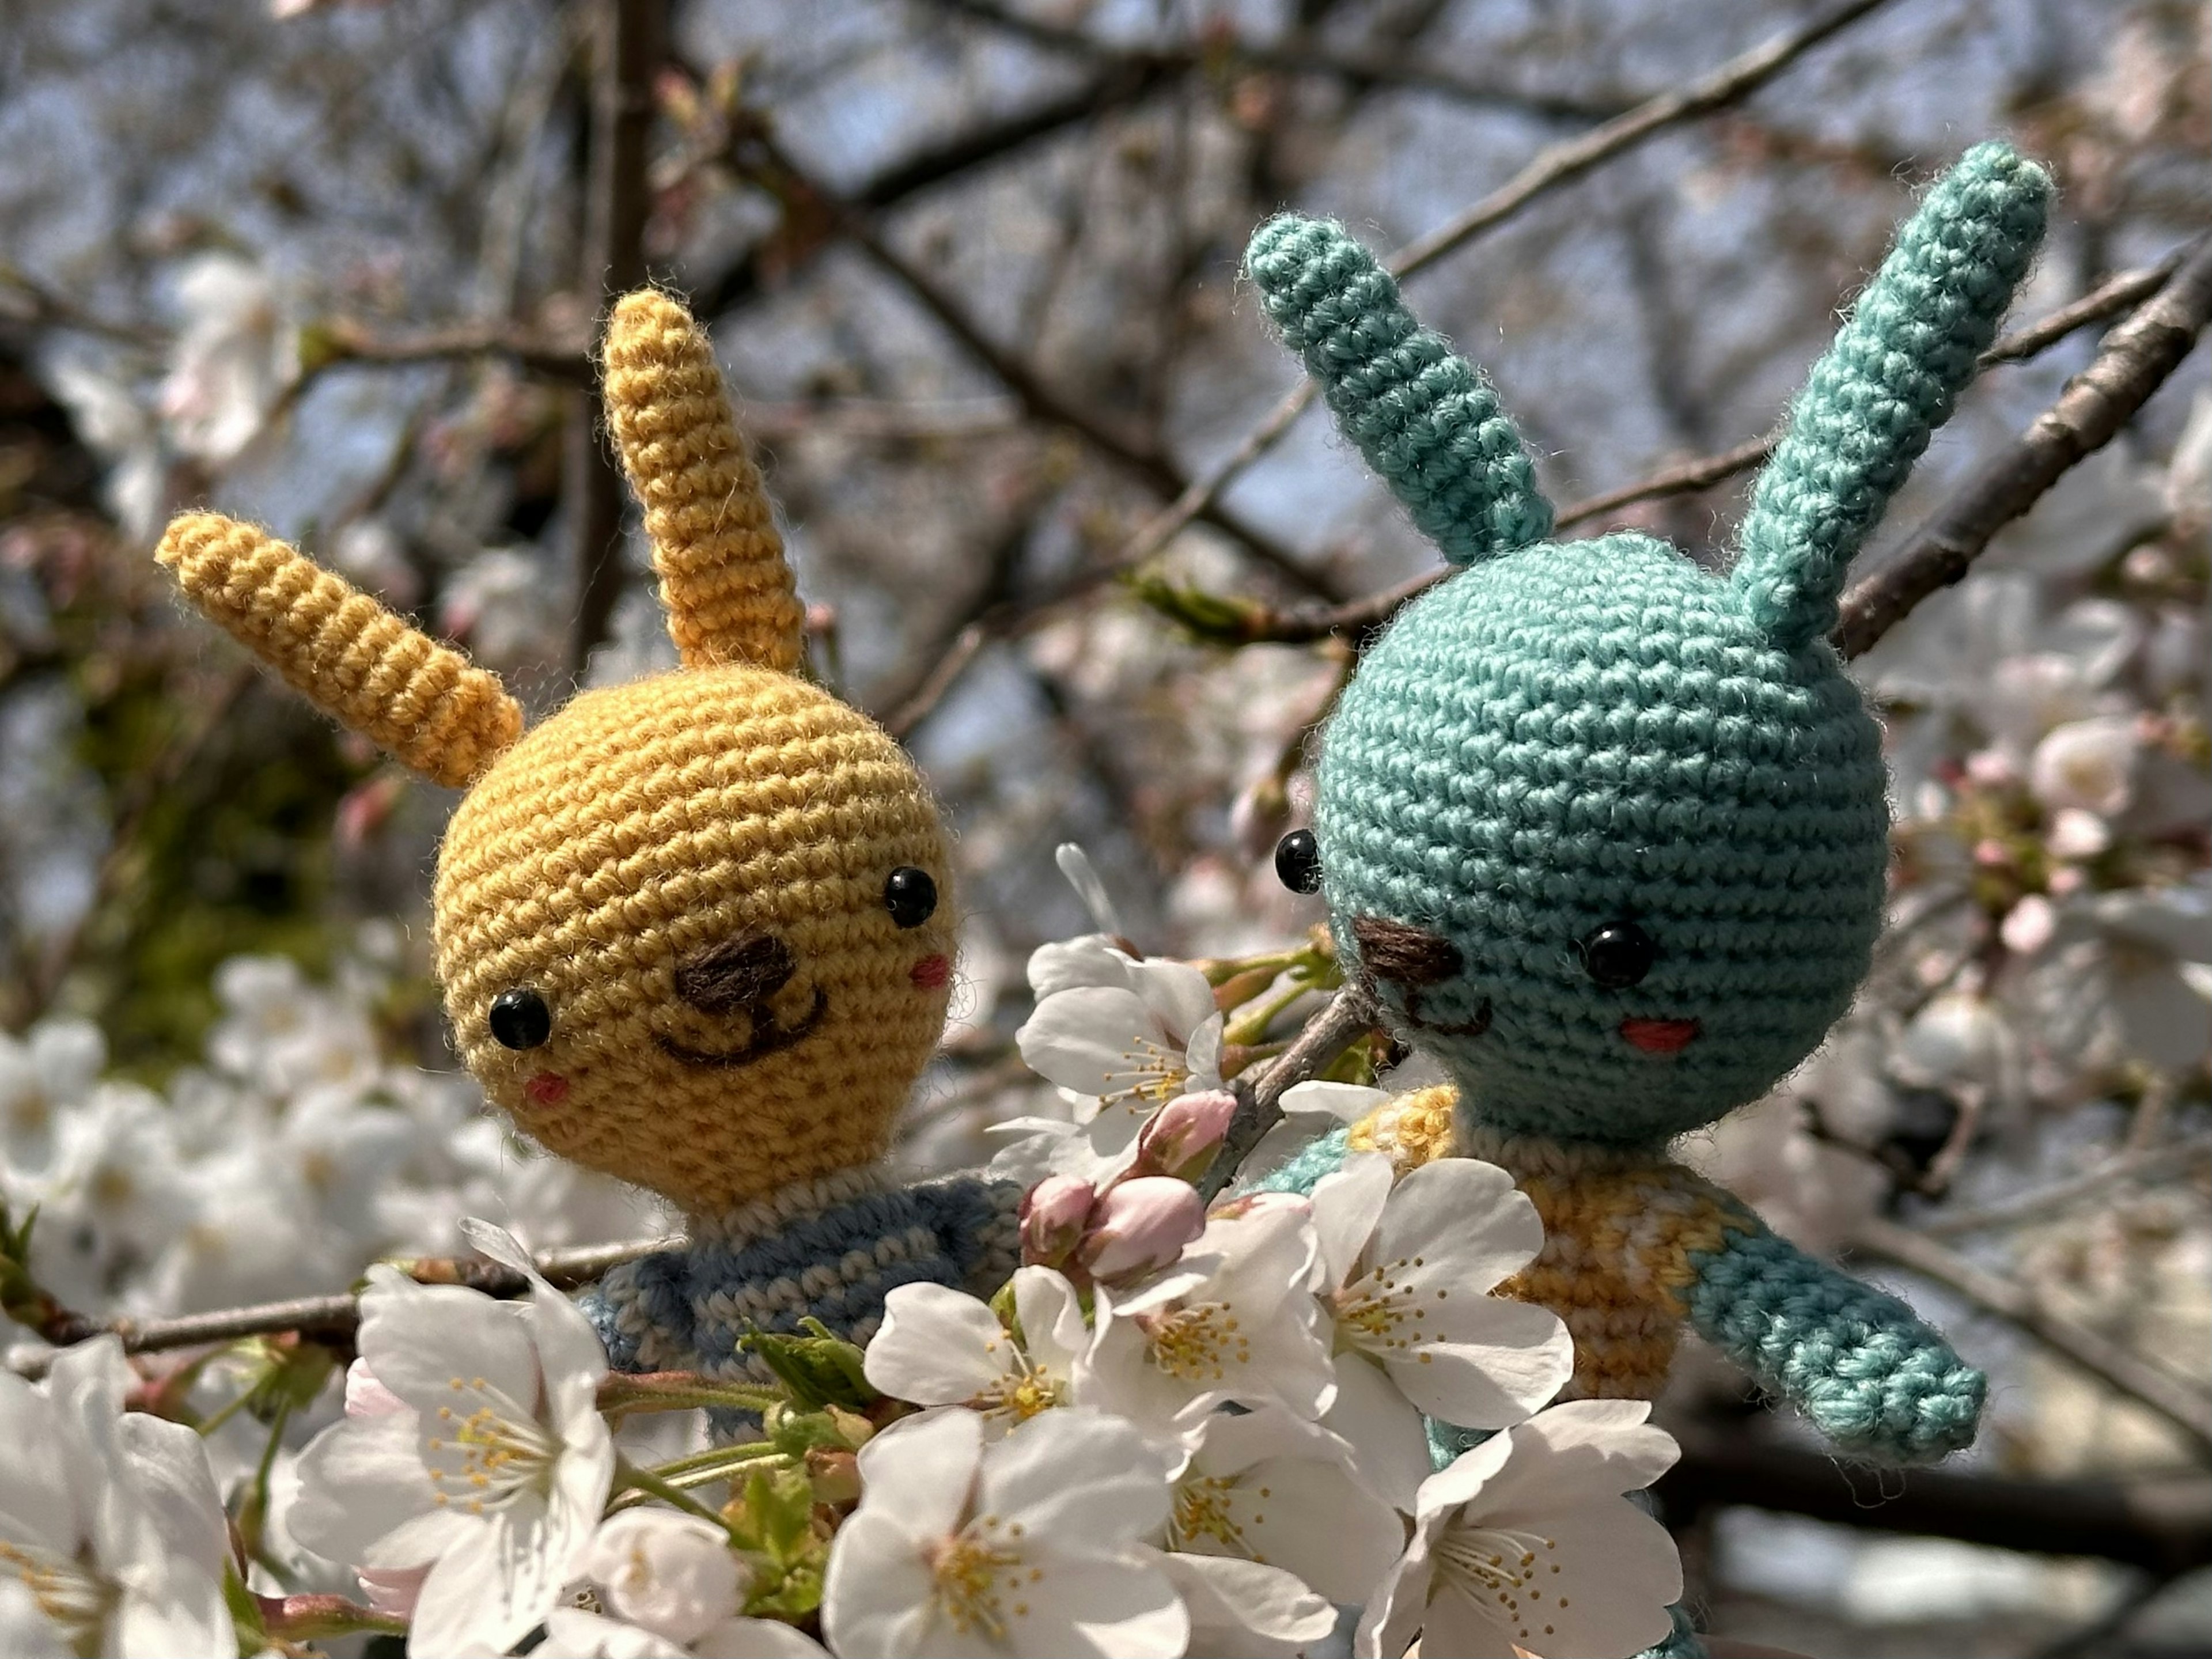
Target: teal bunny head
(1606, 832)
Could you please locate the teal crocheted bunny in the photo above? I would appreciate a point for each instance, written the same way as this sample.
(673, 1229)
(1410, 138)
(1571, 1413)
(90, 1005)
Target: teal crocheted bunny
(1606, 834)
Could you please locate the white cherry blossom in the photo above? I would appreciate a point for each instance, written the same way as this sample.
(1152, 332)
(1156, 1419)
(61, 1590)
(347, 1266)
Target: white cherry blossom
(1526, 1544)
(1026, 1545)
(44, 1075)
(112, 1538)
(1235, 1320)
(938, 1347)
(1111, 1025)
(670, 1574)
(1240, 1609)
(494, 1475)
(1309, 1111)
(1265, 1487)
(1406, 1270)
(573, 1633)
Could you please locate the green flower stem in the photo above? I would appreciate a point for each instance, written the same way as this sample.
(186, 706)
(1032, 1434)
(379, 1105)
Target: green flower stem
(717, 1458)
(680, 1391)
(627, 1475)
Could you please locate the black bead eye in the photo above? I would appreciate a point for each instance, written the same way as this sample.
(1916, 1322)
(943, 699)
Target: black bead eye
(1619, 955)
(520, 1019)
(1297, 861)
(910, 896)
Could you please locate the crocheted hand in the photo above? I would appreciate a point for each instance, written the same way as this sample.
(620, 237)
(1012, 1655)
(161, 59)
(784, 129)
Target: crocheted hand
(1872, 1377)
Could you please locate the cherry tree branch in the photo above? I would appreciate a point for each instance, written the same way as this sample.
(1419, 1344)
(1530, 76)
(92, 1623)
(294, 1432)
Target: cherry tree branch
(1556, 165)
(1350, 1012)
(331, 1315)
(2187, 1407)
(2159, 1522)
(630, 37)
(2135, 360)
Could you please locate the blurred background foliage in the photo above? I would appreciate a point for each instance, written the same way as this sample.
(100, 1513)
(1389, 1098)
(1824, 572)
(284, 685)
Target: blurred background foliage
(971, 267)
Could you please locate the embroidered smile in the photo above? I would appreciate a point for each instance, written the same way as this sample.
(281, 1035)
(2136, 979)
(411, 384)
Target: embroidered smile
(767, 1038)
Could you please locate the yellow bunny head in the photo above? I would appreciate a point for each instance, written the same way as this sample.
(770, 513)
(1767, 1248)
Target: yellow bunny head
(694, 930)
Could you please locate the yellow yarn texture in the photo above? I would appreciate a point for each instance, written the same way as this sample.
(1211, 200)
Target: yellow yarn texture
(723, 580)
(634, 833)
(424, 704)
(679, 891)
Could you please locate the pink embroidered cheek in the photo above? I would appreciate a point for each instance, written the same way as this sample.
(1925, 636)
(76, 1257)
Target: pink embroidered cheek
(547, 1088)
(932, 971)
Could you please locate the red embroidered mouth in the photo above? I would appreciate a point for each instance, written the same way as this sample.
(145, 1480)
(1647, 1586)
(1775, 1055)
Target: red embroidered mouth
(1660, 1036)
(932, 971)
(547, 1088)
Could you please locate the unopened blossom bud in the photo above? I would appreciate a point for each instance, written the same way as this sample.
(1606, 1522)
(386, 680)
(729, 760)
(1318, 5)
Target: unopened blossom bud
(833, 1475)
(1139, 1225)
(1180, 1139)
(1052, 1215)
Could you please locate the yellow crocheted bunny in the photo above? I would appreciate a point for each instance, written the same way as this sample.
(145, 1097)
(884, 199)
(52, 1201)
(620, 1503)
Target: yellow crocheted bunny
(692, 931)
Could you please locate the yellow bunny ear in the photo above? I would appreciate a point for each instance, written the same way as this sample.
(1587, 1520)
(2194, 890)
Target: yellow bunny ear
(422, 702)
(723, 580)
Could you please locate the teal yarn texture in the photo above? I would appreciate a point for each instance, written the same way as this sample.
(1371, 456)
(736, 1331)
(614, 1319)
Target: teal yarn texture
(1578, 735)
(1568, 743)
(1427, 422)
(1871, 1377)
(1606, 834)
(1890, 379)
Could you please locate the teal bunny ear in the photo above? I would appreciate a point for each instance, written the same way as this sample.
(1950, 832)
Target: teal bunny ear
(1425, 420)
(1885, 385)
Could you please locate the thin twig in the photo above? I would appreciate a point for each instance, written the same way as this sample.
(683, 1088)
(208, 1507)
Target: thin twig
(627, 52)
(2175, 1159)
(2122, 292)
(1040, 398)
(1358, 619)
(336, 1315)
(2136, 358)
(1259, 1106)
(1556, 165)
(1353, 65)
(2188, 1408)
(345, 340)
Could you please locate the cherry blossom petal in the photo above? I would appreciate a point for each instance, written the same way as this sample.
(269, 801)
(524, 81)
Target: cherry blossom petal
(937, 1346)
(1390, 1442)
(919, 1474)
(1075, 1475)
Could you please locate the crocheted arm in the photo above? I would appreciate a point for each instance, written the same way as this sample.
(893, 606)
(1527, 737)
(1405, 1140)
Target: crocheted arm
(1425, 420)
(1871, 1377)
(978, 1220)
(643, 1315)
(1885, 385)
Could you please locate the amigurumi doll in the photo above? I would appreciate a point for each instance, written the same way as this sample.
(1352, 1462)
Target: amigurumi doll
(693, 931)
(1606, 834)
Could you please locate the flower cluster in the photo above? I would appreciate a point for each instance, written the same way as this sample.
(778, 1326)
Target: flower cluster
(1179, 1428)
(297, 1153)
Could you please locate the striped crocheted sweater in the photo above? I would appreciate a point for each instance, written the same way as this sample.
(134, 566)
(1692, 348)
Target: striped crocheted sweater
(832, 1247)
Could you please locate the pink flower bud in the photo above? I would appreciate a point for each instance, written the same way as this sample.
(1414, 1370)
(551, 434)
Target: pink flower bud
(1180, 1139)
(1139, 1225)
(1052, 1215)
(392, 1589)
(367, 1397)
